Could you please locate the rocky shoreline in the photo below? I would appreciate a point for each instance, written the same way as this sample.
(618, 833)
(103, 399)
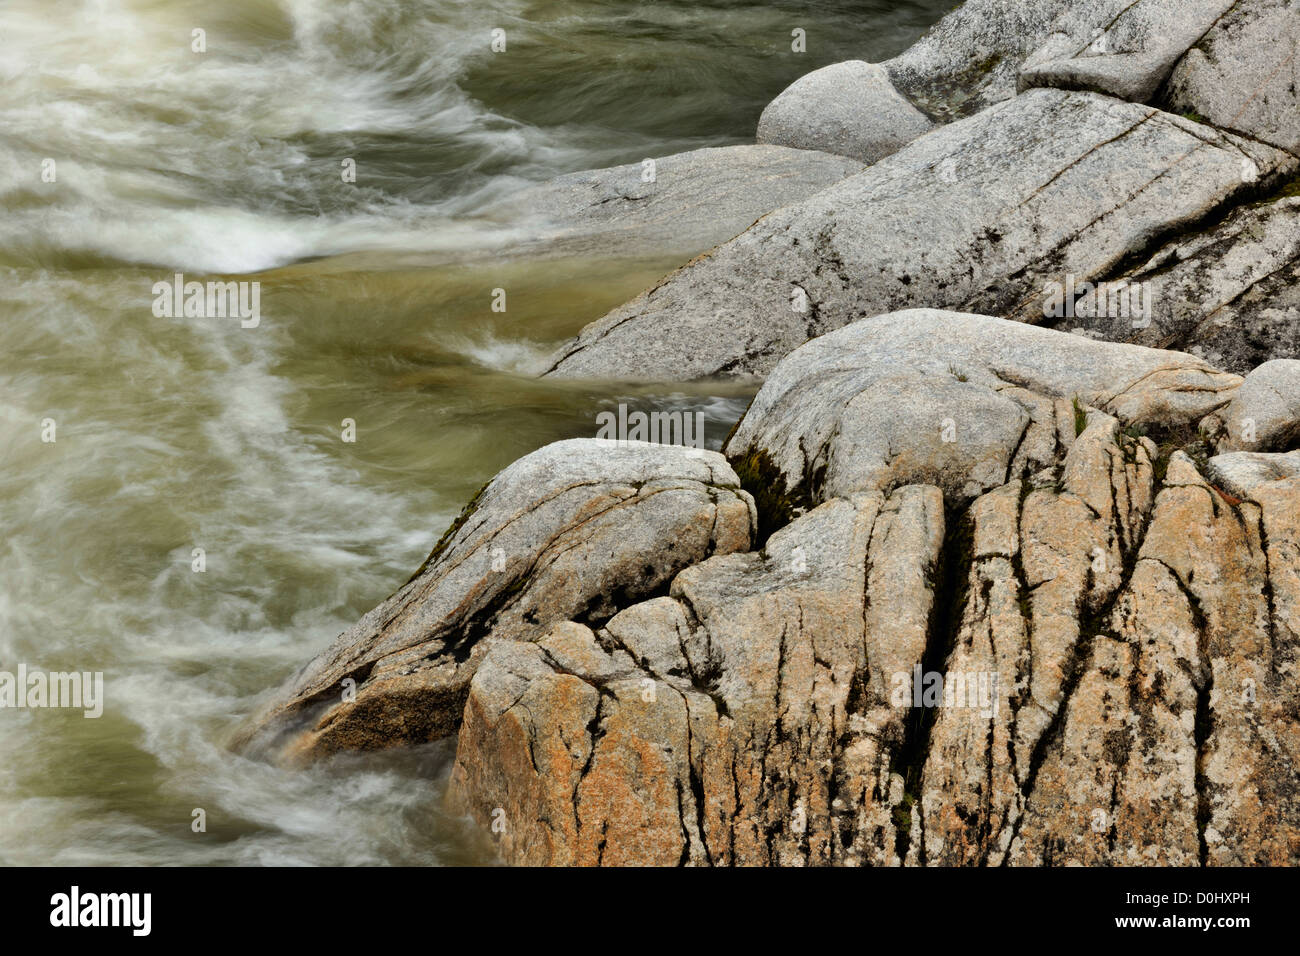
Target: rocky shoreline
(1002, 564)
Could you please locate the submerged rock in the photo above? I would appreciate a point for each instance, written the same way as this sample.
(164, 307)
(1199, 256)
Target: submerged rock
(850, 109)
(992, 214)
(679, 204)
(574, 530)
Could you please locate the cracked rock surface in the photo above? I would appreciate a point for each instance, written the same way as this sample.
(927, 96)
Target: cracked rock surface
(985, 51)
(733, 722)
(1229, 293)
(1116, 637)
(1120, 47)
(970, 60)
(1179, 740)
(573, 530)
(1244, 73)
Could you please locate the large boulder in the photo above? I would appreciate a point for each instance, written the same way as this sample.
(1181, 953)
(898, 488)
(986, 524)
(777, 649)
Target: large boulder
(850, 109)
(1264, 415)
(681, 204)
(1094, 662)
(576, 530)
(993, 214)
(1244, 73)
(963, 402)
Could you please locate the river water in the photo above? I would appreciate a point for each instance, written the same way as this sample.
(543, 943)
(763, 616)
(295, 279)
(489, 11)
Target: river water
(173, 434)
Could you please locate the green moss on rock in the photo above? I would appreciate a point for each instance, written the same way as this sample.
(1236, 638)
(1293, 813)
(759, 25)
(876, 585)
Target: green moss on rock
(777, 503)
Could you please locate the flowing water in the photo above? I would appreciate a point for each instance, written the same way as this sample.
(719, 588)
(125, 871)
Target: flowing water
(174, 434)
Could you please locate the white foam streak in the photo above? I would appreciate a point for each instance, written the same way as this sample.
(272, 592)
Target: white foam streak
(229, 161)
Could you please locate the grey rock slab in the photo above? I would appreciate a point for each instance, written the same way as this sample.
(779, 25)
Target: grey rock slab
(1239, 473)
(970, 60)
(850, 109)
(573, 530)
(1264, 415)
(988, 214)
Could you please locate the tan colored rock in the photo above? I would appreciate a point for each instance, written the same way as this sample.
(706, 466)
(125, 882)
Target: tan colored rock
(754, 726)
(1179, 744)
(1095, 663)
(1046, 559)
